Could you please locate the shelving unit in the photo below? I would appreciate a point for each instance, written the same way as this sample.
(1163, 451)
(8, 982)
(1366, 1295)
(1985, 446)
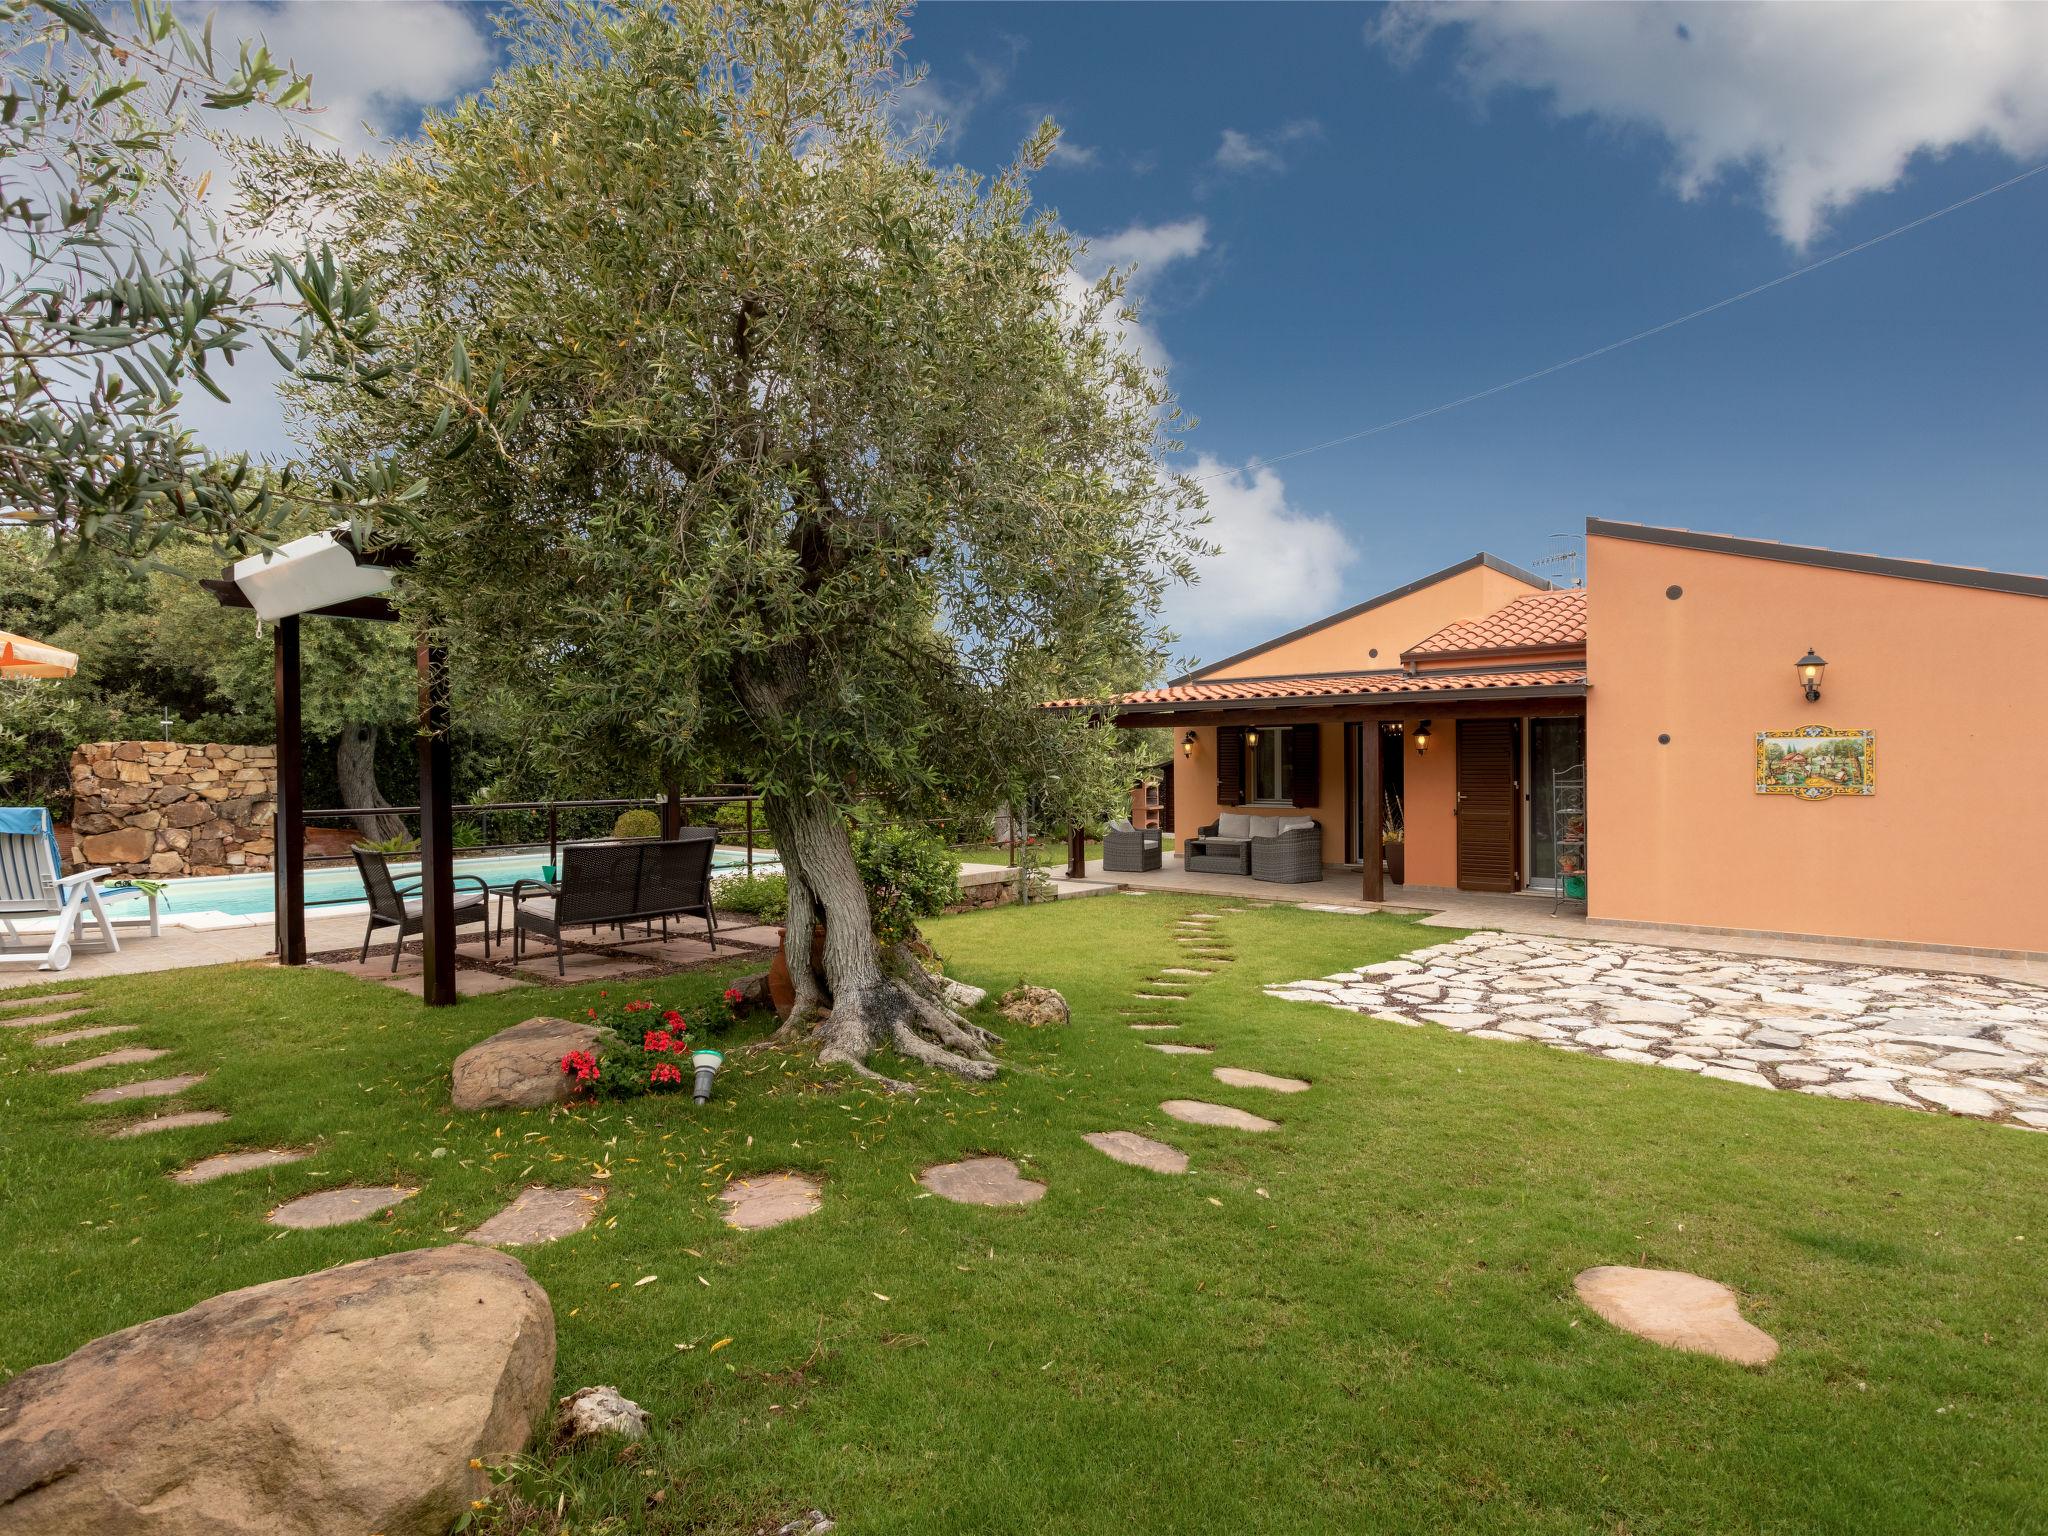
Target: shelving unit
(1568, 816)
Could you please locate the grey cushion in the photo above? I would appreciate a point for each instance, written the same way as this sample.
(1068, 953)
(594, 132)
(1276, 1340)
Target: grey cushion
(1292, 824)
(1223, 844)
(543, 905)
(1126, 825)
(464, 900)
(1235, 824)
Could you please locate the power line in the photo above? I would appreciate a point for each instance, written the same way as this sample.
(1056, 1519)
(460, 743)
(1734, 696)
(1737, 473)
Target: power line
(1629, 341)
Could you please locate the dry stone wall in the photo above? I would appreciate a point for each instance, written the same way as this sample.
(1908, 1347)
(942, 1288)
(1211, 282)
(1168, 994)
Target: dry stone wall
(164, 809)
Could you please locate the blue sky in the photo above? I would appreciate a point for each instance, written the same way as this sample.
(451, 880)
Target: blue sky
(1342, 216)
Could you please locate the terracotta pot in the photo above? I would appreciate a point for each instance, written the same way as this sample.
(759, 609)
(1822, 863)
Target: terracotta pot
(1397, 862)
(781, 988)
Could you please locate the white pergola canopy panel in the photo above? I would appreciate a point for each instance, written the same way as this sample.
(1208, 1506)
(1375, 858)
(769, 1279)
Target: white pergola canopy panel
(307, 574)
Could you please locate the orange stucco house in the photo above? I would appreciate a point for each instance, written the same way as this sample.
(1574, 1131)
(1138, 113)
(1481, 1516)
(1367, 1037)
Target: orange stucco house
(1653, 741)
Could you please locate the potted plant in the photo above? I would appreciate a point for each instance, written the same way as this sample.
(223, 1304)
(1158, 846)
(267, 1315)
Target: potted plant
(1393, 844)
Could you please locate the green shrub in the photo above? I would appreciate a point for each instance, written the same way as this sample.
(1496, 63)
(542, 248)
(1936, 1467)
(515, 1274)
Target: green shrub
(765, 897)
(731, 822)
(909, 873)
(639, 822)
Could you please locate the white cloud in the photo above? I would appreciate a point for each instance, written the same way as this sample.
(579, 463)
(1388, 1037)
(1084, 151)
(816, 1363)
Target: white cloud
(1276, 565)
(1241, 153)
(945, 107)
(374, 69)
(1821, 104)
(1078, 157)
(1146, 250)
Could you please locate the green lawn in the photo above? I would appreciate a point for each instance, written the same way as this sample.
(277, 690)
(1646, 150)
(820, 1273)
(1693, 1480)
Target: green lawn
(1363, 1321)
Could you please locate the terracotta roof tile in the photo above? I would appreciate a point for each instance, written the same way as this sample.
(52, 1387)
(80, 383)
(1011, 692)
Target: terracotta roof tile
(1336, 685)
(1541, 621)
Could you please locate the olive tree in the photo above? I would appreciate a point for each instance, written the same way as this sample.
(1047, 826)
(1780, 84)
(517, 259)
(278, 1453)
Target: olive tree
(785, 448)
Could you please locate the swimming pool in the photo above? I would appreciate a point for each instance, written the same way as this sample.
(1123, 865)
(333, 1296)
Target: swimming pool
(334, 891)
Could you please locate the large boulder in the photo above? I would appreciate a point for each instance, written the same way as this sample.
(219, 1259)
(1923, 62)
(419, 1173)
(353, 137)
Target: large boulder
(334, 1404)
(1032, 1006)
(521, 1067)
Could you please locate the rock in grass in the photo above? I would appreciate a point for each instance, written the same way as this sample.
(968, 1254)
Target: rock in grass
(521, 1067)
(960, 995)
(332, 1404)
(1033, 1006)
(596, 1411)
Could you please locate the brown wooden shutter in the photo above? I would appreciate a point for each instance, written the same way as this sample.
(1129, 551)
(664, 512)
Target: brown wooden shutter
(1230, 765)
(1305, 765)
(1489, 822)
(1166, 796)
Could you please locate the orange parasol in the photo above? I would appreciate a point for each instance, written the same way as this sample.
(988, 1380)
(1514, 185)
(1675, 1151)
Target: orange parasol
(22, 657)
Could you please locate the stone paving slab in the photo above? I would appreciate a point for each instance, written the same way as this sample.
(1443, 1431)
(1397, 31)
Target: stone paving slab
(338, 1207)
(183, 1120)
(540, 1215)
(123, 1058)
(769, 1200)
(40, 1000)
(1175, 1048)
(982, 1181)
(1677, 1310)
(1943, 1041)
(73, 1036)
(1138, 1151)
(1200, 1112)
(222, 1164)
(148, 1088)
(30, 1021)
(1239, 1077)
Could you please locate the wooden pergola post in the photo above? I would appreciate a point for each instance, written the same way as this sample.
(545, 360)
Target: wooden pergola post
(437, 833)
(1372, 800)
(288, 826)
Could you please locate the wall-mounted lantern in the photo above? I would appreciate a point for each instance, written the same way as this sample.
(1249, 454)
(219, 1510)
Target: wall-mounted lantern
(1251, 737)
(1810, 668)
(1421, 737)
(1187, 745)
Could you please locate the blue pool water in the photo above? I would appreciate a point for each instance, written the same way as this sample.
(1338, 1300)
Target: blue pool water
(332, 890)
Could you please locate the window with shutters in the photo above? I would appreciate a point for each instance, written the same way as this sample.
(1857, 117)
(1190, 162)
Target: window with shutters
(1269, 769)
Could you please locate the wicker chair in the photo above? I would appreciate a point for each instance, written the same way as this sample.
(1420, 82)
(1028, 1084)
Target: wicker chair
(1293, 857)
(610, 884)
(391, 907)
(1128, 849)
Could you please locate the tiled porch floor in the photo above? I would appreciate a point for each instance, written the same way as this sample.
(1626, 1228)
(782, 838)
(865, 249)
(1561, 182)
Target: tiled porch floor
(1532, 914)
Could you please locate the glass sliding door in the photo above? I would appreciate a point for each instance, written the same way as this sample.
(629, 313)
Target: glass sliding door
(1557, 798)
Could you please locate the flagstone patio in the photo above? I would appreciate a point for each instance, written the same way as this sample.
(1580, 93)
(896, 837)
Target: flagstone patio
(1928, 1040)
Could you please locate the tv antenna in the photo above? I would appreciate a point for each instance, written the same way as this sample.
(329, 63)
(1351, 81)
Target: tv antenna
(1571, 560)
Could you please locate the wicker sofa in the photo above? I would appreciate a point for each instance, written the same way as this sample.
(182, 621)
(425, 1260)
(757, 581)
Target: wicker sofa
(1128, 849)
(613, 883)
(1287, 849)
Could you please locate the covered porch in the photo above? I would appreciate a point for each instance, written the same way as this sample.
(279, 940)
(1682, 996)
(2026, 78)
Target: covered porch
(1437, 782)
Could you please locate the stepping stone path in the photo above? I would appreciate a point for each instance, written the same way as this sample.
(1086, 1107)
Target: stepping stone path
(1199, 1112)
(1158, 1024)
(540, 1215)
(44, 1018)
(222, 1164)
(73, 1036)
(1181, 970)
(982, 1181)
(769, 1200)
(148, 1088)
(338, 1207)
(1173, 1048)
(1676, 1309)
(1159, 997)
(178, 1122)
(127, 1058)
(1238, 1077)
(1928, 1040)
(1138, 1151)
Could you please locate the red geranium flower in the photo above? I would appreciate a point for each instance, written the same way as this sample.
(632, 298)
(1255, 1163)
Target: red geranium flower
(657, 1041)
(639, 1007)
(580, 1065)
(666, 1072)
(734, 997)
(673, 1018)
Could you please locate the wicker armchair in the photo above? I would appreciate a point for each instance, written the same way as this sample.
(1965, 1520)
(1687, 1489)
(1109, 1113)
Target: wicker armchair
(1128, 849)
(404, 910)
(610, 884)
(1293, 857)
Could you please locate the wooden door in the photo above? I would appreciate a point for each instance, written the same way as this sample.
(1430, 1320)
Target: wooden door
(1489, 805)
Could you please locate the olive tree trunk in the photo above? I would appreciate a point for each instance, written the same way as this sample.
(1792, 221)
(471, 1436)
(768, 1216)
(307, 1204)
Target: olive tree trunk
(355, 770)
(877, 999)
